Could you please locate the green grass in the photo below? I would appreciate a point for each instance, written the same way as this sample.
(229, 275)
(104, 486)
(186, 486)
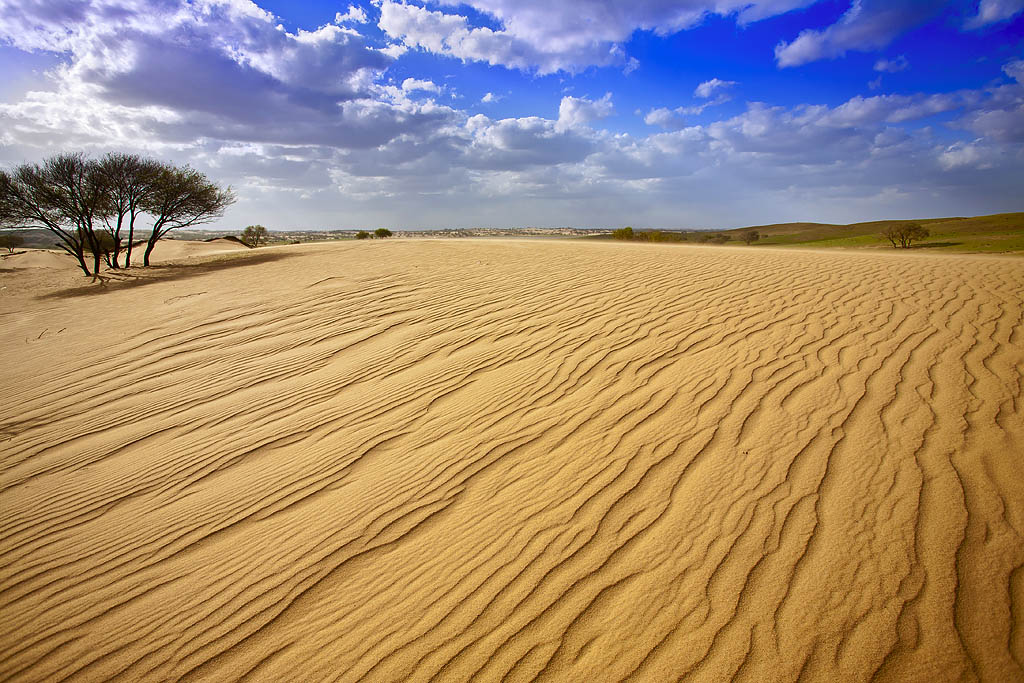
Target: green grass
(999, 233)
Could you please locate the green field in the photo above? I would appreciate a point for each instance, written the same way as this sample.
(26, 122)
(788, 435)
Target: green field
(998, 233)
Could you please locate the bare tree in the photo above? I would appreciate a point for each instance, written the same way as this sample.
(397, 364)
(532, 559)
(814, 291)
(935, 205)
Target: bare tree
(253, 234)
(751, 236)
(64, 195)
(130, 180)
(182, 197)
(902, 235)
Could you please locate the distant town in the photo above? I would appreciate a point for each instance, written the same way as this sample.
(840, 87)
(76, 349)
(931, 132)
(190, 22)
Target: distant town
(279, 236)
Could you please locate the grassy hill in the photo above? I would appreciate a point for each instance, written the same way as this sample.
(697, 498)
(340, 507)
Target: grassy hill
(1003, 232)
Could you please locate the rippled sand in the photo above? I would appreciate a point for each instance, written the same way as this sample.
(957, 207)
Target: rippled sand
(570, 461)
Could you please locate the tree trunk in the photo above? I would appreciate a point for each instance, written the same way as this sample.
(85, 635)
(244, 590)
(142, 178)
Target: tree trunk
(80, 257)
(131, 240)
(128, 249)
(149, 250)
(82, 264)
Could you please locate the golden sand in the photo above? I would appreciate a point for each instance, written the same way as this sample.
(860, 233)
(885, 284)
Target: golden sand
(517, 460)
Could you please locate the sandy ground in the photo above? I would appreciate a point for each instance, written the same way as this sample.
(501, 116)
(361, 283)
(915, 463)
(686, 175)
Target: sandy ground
(515, 460)
(54, 269)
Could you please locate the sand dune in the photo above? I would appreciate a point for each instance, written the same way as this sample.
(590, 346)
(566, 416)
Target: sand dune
(36, 258)
(516, 460)
(171, 250)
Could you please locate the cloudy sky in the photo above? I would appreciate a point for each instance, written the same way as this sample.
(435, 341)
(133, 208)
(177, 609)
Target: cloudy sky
(504, 113)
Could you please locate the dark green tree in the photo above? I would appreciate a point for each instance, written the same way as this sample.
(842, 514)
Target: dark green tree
(182, 198)
(130, 181)
(253, 235)
(11, 241)
(903, 235)
(65, 195)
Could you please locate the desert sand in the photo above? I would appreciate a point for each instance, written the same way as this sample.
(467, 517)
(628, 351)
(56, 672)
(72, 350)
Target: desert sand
(515, 460)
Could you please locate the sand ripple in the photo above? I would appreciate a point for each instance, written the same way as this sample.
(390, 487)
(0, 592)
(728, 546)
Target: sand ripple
(520, 460)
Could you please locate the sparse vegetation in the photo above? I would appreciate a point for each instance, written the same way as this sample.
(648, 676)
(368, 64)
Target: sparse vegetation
(713, 237)
(904, 234)
(629, 234)
(253, 235)
(80, 200)
(103, 246)
(997, 233)
(11, 241)
(362, 235)
(382, 233)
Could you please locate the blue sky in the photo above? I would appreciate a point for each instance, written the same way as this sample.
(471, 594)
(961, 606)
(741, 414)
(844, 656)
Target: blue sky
(505, 113)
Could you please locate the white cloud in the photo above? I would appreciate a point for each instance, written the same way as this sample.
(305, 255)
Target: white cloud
(1015, 70)
(867, 25)
(707, 88)
(579, 111)
(207, 69)
(960, 155)
(561, 36)
(892, 66)
(490, 97)
(412, 84)
(451, 35)
(669, 119)
(354, 14)
(992, 11)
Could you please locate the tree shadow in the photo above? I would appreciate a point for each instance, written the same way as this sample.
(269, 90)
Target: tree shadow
(119, 280)
(936, 245)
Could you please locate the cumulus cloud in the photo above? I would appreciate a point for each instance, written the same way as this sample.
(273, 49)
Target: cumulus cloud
(892, 66)
(867, 25)
(962, 154)
(579, 111)
(412, 84)
(219, 69)
(1015, 70)
(550, 37)
(708, 88)
(490, 97)
(992, 11)
(669, 119)
(354, 14)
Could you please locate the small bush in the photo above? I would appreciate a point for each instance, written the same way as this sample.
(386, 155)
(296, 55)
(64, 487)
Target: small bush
(362, 235)
(11, 241)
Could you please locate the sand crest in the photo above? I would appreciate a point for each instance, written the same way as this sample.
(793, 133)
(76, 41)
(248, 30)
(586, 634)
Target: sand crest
(518, 460)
